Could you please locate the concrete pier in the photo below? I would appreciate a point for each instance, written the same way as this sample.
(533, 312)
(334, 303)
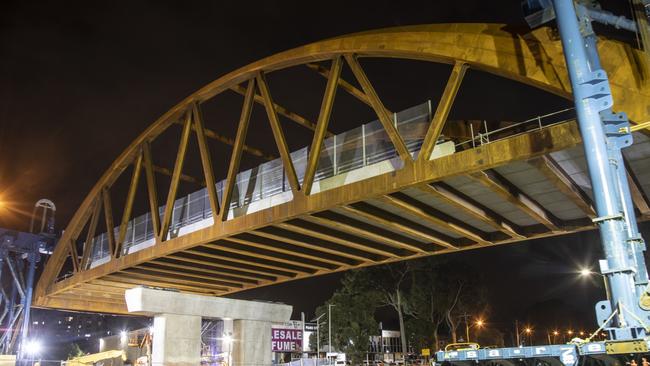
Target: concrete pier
(177, 325)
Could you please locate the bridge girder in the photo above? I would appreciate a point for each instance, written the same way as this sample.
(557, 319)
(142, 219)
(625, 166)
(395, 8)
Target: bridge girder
(535, 59)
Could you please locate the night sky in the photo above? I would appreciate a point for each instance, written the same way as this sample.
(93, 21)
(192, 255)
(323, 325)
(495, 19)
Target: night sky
(80, 80)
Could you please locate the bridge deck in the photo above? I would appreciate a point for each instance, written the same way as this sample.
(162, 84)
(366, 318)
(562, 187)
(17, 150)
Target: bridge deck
(502, 198)
(502, 189)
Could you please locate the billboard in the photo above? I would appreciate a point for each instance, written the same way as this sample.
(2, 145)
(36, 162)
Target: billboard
(286, 340)
(311, 327)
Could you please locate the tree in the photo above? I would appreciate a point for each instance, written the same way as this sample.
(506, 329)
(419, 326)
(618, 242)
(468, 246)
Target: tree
(463, 295)
(441, 293)
(391, 282)
(353, 320)
(427, 303)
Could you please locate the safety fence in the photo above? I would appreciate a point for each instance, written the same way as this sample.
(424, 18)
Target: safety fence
(363, 146)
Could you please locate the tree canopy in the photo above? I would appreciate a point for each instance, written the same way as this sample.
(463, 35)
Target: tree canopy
(429, 297)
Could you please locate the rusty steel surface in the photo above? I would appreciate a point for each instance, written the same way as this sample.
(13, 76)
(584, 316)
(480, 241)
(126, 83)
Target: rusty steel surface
(383, 218)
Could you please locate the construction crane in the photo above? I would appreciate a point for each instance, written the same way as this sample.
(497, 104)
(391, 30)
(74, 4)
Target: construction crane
(625, 314)
(20, 253)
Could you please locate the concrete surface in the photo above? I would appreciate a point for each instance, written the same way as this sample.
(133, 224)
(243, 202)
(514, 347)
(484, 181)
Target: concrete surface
(176, 340)
(251, 343)
(149, 302)
(177, 325)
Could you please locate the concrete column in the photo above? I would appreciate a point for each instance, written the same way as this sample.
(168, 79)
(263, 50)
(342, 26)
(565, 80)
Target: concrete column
(177, 325)
(176, 340)
(251, 343)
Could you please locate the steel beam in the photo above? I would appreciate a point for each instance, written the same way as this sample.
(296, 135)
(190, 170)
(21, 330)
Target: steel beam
(351, 89)
(378, 107)
(564, 183)
(484, 47)
(90, 235)
(235, 157)
(434, 217)
(519, 199)
(176, 176)
(304, 122)
(278, 134)
(473, 208)
(397, 224)
(519, 147)
(321, 126)
(304, 241)
(152, 189)
(443, 109)
(206, 160)
(128, 206)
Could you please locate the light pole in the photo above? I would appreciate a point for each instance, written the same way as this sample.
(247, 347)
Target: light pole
(318, 335)
(478, 323)
(329, 327)
(527, 331)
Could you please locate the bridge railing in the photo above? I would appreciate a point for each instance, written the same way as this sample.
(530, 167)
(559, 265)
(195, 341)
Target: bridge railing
(363, 146)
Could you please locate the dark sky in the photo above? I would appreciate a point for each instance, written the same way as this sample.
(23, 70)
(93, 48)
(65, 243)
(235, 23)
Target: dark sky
(80, 80)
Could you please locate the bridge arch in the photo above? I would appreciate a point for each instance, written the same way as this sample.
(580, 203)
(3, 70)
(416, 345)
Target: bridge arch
(535, 59)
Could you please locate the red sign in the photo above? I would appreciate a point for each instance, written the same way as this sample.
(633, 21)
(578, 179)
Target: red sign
(286, 340)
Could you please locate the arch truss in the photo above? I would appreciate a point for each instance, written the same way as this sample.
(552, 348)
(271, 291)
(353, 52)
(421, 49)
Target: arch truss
(521, 182)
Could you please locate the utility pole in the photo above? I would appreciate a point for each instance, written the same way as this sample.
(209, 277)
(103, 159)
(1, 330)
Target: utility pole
(517, 333)
(465, 318)
(318, 335)
(329, 326)
(302, 319)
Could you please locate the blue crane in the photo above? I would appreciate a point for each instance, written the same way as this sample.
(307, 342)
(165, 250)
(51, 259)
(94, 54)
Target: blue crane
(625, 314)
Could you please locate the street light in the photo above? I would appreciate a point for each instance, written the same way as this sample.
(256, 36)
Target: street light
(479, 323)
(318, 335)
(329, 326)
(32, 347)
(555, 333)
(527, 331)
(586, 272)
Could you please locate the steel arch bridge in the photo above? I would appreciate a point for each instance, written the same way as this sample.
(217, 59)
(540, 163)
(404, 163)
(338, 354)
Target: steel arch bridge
(526, 182)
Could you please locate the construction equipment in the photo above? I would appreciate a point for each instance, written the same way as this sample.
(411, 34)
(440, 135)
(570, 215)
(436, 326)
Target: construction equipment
(624, 315)
(110, 358)
(20, 253)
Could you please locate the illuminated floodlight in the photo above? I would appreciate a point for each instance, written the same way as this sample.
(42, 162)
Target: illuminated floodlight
(227, 339)
(480, 323)
(528, 330)
(585, 272)
(32, 347)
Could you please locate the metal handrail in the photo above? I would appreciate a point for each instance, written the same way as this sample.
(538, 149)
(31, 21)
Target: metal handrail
(537, 119)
